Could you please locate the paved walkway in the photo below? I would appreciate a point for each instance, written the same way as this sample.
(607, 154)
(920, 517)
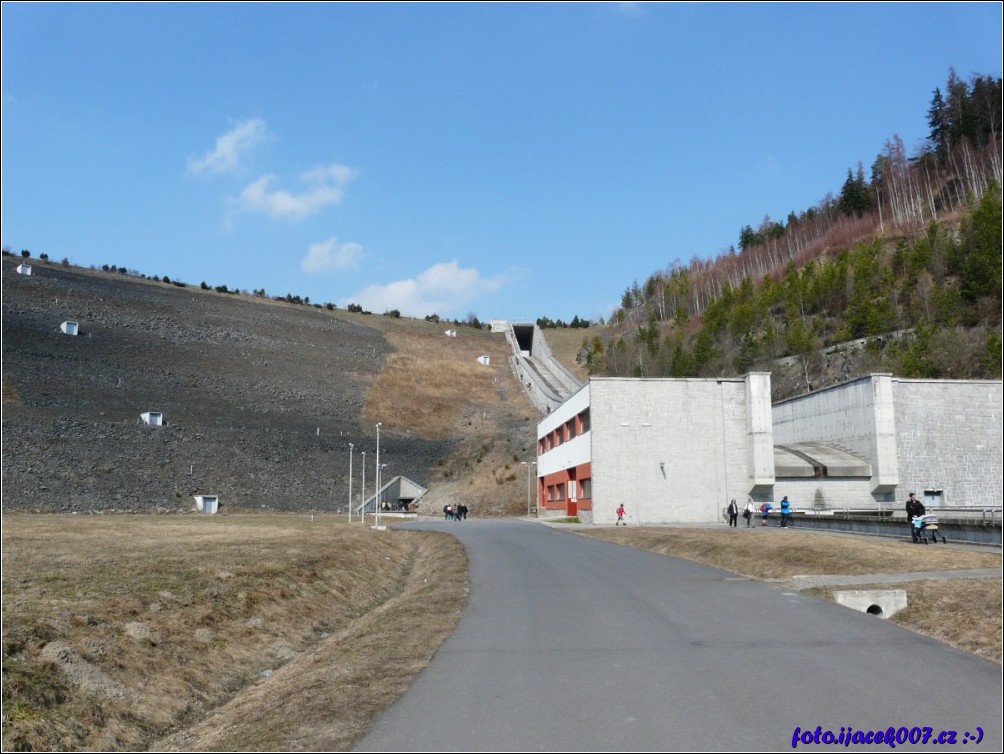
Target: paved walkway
(575, 644)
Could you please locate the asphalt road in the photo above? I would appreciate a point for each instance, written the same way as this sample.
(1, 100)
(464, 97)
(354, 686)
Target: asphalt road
(572, 644)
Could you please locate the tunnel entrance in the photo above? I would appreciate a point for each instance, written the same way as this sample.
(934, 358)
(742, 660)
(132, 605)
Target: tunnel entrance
(524, 337)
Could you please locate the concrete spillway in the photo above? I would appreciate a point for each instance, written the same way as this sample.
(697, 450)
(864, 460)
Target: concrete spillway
(546, 382)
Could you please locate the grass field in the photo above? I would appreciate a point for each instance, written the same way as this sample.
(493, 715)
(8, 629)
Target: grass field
(121, 630)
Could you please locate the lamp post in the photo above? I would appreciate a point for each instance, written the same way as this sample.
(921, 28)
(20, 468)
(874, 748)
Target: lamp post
(528, 466)
(351, 446)
(382, 477)
(377, 490)
(362, 495)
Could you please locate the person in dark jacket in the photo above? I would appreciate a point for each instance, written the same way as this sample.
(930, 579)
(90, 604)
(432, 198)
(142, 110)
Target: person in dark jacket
(914, 509)
(733, 510)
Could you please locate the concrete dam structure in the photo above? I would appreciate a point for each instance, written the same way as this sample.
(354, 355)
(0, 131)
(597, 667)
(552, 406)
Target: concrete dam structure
(547, 382)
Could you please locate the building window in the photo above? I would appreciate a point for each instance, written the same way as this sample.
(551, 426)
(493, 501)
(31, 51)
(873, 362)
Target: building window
(584, 421)
(586, 486)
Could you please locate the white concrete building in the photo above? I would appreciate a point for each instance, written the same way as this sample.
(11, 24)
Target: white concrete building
(938, 438)
(69, 327)
(670, 450)
(676, 450)
(153, 418)
(24, 269)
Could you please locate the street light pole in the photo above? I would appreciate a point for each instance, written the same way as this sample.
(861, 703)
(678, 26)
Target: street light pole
(528, 465)
(362, 496)
(382, 477)
(377, 491)
(351, 446)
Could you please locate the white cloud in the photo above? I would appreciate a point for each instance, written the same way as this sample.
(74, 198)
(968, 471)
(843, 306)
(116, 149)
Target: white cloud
(630, 8)
(444, 289)
(230, 148)
(324, 185)
(328, 256)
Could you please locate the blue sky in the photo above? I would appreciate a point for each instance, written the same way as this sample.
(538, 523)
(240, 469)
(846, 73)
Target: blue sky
(507, 160)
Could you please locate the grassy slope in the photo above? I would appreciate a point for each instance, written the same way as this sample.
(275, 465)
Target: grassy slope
(120, 629)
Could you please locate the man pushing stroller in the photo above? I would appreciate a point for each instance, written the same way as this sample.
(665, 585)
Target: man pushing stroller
(914, 510)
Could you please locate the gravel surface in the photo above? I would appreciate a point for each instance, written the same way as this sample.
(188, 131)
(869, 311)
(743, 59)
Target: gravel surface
(260, 398)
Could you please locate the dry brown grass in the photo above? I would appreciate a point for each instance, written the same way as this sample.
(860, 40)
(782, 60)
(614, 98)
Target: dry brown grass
(433, 387)
(119, 630)
(963, 613)
(777, 554)
(565, 344)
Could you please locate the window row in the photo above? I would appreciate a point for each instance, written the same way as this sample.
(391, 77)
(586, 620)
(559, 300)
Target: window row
(577, 425)
(575, 490)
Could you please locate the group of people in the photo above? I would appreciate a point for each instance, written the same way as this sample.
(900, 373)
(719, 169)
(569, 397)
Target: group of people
(750, 510)
(455, 512)
(914, 513)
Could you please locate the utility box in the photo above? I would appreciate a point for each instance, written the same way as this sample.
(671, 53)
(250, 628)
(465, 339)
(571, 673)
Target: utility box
(153, 418)
(207, 503)
(69, 327)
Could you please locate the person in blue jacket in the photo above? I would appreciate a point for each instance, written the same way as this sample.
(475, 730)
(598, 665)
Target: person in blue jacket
(785, 511)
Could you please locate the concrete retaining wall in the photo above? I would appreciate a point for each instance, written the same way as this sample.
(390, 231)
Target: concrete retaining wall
(949, 438)
(857, 416)
(567, 383)
(958, 531)
(819, 493)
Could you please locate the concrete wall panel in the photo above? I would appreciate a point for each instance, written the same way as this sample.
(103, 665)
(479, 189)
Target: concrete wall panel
(857, 417)
(949, 438)
(670, 450)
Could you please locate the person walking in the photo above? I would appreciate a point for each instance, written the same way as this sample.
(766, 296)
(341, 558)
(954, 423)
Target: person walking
(733, 510)
(620, 515)
(765, 509)
(914, 509)
(749, 511)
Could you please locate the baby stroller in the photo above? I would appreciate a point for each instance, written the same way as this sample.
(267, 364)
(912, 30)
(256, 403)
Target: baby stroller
(926, 526)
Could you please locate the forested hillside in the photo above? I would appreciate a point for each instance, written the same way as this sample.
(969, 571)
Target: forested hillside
(911, 253)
